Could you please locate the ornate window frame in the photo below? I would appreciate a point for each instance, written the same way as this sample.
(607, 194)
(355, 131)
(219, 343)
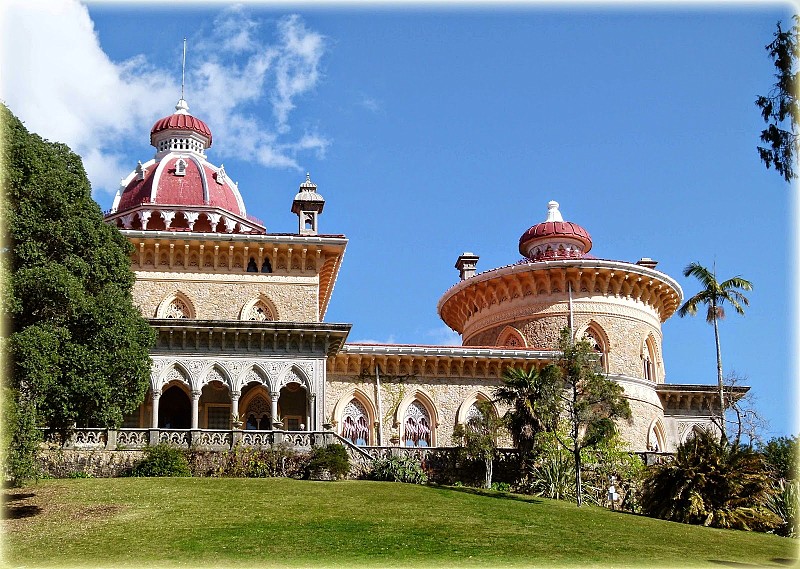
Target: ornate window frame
(165, 308)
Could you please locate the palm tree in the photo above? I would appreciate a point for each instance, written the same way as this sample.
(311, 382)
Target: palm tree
(532, 397)
(713, 483)
(714, 295)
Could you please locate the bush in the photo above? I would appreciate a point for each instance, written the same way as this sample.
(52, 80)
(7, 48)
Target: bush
(20, 439)
(713, 483)
(398, 469)
(329, 460)
(162, 460)
(248, 462)
(501, 486)
(784, 504)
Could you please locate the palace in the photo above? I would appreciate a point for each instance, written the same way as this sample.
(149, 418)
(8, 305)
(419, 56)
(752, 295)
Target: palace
(242, 341)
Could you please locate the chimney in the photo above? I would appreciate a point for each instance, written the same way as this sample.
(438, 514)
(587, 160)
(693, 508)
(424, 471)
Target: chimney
(466, 264)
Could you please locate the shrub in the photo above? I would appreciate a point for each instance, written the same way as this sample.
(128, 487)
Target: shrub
(713, 483)
(162, 460)
(398, 469)
(20, 439)
(501, 486)
(331, 459)
(248, 462)
(784, 503)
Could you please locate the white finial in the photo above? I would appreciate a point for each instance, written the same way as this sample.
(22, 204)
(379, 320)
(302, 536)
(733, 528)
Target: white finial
(182, 108)
(308, 176)
(552, 212)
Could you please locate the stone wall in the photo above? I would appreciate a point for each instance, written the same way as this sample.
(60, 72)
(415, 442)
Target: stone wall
(222, 297)
(625, 324)
(66, 463)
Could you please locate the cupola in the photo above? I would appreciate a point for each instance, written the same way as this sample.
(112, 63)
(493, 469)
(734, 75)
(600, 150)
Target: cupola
(555, 238)
(307, 205)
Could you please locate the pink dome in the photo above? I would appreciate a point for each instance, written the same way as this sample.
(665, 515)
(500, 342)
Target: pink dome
(545, 240)
(179, 121)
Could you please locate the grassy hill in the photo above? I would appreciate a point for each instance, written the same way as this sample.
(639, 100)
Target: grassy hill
(194, 522)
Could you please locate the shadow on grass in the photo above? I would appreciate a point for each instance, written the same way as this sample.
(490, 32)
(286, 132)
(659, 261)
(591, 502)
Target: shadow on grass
(776, 560)
(14, 511)
(487, 493)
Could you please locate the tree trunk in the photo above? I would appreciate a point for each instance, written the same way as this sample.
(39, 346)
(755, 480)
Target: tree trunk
(578, 482)
(719, 376)
(488, 481)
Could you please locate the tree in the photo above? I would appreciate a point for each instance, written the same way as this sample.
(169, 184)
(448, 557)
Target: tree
(479, 438)
(78, 348)
(714, 295)
(781, 105)
(532, 398)
(744, 417)
(713, 483)
(571, 390)
(589, 400)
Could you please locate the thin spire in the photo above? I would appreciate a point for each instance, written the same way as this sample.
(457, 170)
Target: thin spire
(183, 67)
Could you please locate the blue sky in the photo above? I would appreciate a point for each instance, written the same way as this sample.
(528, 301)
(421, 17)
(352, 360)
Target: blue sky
(433, 132)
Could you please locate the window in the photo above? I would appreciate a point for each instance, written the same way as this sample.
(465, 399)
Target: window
(417, 426)
(177, 309)
(218, 417)
(266, 267)
(251, 266)
(260, 312)
(594, 337)
(258, 414)
(355, 423)
(180, 167)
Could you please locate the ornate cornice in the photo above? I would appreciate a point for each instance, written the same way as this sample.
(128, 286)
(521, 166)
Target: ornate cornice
(434, 361)
(547, 279)
(183, 336)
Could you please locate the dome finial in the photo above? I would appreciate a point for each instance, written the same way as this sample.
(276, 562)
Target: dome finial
(552, 212)
(182, 108)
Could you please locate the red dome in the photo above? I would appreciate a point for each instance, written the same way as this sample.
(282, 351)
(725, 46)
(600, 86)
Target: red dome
(180, 121)
(196, 187)
(554, 231)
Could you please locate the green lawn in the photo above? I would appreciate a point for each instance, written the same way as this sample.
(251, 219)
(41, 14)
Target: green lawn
(171, 522)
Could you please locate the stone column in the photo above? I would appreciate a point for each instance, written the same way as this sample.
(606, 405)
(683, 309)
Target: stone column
(273, 396)
(195, 406)
(235, 402)
(154, 418)
(311, 415)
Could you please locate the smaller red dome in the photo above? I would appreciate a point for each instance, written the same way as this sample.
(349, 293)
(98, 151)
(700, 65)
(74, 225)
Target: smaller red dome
(553, 230)
(181, 120)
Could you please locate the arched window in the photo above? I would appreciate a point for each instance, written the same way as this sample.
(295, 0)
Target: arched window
(355, 423)
(177, 308)
(258, 414)
(251, 266)
(510, 337)
(261, 312)
(417, 426)
(266, 267)
(180, 167)
(649, 366)
(596, 340)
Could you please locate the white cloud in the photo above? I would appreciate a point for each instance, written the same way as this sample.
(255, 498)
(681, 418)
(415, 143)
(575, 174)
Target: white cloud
(443, 336)
(59, 81)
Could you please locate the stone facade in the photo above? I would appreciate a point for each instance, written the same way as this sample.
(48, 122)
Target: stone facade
(224, 297)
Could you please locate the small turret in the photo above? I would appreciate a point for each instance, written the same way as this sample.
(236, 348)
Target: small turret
(307, 205)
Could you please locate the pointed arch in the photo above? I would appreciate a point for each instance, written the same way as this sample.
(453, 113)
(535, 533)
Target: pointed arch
(475, 396)
(175, 373)
(599, 339)
(651, 360)
(176, 305)
(260, 308)
(417, 417)
(354, 416)
(656, 436)
(215, 372)
(294, 374)
(252, 374)
(510, 337)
